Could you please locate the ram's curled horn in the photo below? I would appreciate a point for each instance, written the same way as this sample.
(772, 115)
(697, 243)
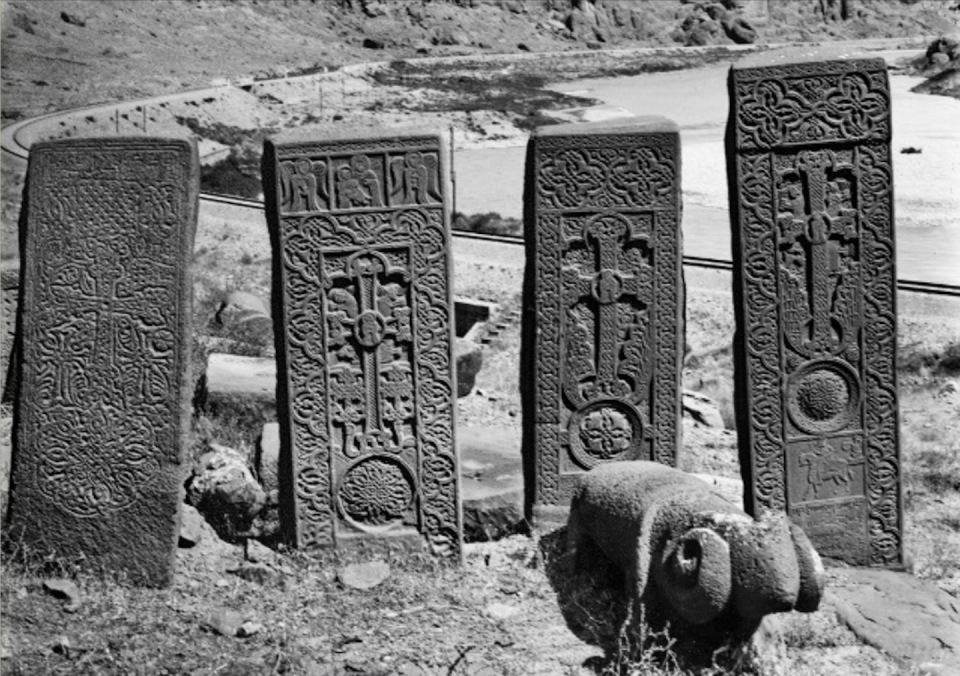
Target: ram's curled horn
(694, 574)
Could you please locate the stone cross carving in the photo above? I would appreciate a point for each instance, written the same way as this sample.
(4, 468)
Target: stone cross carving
(812, 213)
(603, 299)
(103, 400)
(360, 228)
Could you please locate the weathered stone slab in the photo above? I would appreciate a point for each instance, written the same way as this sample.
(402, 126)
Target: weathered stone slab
(103, 406)
(813, 247)
(603, 297)
(9, 302)
(907, 618)
(366, 394)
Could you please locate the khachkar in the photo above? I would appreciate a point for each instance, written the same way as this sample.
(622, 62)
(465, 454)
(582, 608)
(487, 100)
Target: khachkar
(812, 210)
(360, 226)
(603, 297)
(103, 404)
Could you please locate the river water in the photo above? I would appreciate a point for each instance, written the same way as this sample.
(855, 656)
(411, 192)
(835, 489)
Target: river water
(926, 184)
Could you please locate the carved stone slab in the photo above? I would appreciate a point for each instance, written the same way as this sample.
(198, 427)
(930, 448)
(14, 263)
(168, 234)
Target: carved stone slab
(9, 302)
(103, 406)
(603, 330)
(813, 245)
(362, 293)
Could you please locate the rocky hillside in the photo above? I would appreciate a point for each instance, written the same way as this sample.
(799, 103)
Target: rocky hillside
(63, 53)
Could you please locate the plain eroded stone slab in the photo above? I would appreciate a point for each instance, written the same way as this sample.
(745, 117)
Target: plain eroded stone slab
(603, 297)
(360, 225)
(905, 617)
(811, 185)
(103, 406)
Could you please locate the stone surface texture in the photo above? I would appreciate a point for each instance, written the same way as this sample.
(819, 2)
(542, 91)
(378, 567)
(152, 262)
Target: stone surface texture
(907, 618)
(813, 246)
(691, 557)
(603, 303)
(103, 405)
(9, 302)
(360, 225)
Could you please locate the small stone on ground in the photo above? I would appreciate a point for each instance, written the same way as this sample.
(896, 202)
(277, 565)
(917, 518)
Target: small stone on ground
(364, 575)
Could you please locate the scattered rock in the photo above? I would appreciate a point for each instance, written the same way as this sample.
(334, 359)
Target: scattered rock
(72, 19)
(248, 629)
(255, 572)
(703, 409)
(364, 575)
(373, 43)
(223, 489)
(257, 552)
(949, 387)
(448, 36)
(469, 356)
(225, 622)
(501, 611)
(191, 526)
(65, 590)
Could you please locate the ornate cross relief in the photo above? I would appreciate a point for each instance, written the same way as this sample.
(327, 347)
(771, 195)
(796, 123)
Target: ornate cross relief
(106, 297)
(814, 260)
(361, 235)
(604, 287)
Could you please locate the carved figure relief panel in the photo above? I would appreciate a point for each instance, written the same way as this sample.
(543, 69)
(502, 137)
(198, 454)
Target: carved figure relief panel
(104, 396)
(361, 239)
(606, 298)
(814, 257)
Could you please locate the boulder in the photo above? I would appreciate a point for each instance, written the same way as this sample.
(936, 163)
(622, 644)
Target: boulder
(703, 409)
(695, 561)
(740, 31)
(469, 358)
(449, 36)
(223, 489)
(191, 526)
(364, 576)
(245, 317)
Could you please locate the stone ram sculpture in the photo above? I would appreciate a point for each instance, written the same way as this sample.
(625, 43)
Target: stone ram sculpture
(690, 556)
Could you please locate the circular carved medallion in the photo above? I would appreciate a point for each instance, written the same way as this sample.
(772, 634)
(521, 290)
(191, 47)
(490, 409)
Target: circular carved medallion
(607, 286)
(823, 396)
(376, 492)
(604, 431)
(369, 328)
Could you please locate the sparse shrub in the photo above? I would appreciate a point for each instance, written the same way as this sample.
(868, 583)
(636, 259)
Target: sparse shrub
(950, 361)
(490, 223)
(238, 174)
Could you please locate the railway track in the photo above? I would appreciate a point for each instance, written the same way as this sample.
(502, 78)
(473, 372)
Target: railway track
(907, 285)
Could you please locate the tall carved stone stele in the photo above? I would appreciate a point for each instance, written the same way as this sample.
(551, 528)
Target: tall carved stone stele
(603, 303)
(812, 211)
(103, 406)
(360, 226)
